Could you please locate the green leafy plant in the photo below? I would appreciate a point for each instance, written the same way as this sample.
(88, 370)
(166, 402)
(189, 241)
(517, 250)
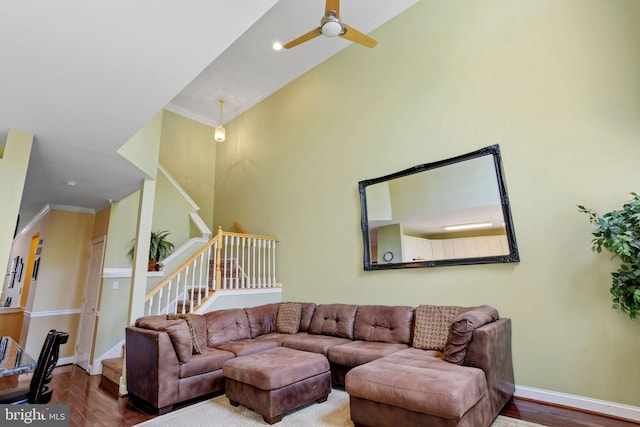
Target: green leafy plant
(619, 232)
(159, 248)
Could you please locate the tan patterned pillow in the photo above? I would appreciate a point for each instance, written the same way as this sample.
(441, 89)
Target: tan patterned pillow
(432, 323)
(288, 320)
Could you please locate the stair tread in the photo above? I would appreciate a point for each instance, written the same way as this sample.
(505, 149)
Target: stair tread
(111, 371)
(114, 363)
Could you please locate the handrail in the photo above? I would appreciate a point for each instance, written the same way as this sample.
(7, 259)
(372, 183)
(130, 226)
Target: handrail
(238, 227)
(239, 261)
(180, 268)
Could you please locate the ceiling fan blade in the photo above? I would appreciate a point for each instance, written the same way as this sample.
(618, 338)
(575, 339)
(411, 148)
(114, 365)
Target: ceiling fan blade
(332, 5)
(356, 36)
(303, 38)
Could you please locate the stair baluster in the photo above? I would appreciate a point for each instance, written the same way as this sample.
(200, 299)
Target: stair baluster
(237, 273)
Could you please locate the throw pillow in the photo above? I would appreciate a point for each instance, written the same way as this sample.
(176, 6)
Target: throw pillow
(432, 323)
(288, 320)
(462, 331)
(195, 346)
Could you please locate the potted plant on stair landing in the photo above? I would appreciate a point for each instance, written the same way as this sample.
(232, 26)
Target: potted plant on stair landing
(619, 232)
(159, 248)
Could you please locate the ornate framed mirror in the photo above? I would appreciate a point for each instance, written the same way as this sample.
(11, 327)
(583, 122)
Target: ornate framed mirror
(451, 212)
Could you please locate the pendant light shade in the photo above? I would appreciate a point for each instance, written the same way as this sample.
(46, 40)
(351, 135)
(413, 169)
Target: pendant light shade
(219, 133)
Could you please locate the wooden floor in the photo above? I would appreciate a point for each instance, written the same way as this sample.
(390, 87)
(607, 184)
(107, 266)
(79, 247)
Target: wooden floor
(558, 417)
(91, 405)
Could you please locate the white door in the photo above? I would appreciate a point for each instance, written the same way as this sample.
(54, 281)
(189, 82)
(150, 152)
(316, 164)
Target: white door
(90, 305)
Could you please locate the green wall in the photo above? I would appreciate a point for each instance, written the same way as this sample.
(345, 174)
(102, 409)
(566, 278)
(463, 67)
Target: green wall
(122, 230)
(188, 152)
(554, 82)
(114, 304)
(171, 211)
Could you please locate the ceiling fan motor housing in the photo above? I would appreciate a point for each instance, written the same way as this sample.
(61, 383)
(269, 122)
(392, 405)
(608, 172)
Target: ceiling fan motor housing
(331, 26)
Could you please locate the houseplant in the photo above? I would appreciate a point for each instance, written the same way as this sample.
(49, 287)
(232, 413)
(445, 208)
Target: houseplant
(619, 232)
(159, 248)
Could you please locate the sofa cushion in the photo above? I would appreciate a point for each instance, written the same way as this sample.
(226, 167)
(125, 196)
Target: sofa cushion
(314, 343)
(248, 346)
(308, 308)
(427, 384)
(288, 321)
(333, 320)
(177, 330)
(226, 325)
(360, 352)
(211, 359)
(273, 336)
(195, 345)
(262, 319)
(461, 331)
(432, 323)
(390, 324)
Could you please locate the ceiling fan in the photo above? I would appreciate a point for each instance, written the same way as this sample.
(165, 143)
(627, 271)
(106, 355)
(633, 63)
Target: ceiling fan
(331, 26)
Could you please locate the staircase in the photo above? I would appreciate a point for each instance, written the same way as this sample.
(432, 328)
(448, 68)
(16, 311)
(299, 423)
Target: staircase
(229, 261)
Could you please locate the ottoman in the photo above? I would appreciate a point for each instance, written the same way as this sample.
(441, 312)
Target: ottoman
(416, 387)
(275, 381)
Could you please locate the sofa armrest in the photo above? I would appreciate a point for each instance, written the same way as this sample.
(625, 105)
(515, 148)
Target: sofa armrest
(152, 367)
(490, 350)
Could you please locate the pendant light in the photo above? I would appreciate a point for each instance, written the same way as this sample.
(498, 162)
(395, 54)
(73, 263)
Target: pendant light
(219, 133)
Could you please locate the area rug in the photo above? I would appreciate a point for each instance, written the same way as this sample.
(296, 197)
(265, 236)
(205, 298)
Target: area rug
(332, 413)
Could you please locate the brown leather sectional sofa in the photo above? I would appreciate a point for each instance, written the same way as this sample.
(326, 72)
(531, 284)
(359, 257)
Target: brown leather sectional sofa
(377, 353)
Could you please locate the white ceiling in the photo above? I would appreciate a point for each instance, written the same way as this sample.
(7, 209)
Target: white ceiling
(250, 70)
(83, 77)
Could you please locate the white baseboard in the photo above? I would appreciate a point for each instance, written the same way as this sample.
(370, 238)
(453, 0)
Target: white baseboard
(580, 402)
(65, 361)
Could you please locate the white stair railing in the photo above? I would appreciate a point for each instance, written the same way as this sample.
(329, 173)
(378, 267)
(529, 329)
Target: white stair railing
(229, 261)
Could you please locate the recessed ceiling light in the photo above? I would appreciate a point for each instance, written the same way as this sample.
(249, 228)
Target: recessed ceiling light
(70, 183)
(277, 46)
(468, 226)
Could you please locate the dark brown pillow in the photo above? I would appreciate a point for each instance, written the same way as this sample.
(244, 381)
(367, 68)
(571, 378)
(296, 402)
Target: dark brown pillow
(178, 332)
(195, 346)
(462, 329)
(432, 323)
(288, 321)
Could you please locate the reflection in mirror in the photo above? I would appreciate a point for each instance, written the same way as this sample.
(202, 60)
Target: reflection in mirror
(451, 212)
